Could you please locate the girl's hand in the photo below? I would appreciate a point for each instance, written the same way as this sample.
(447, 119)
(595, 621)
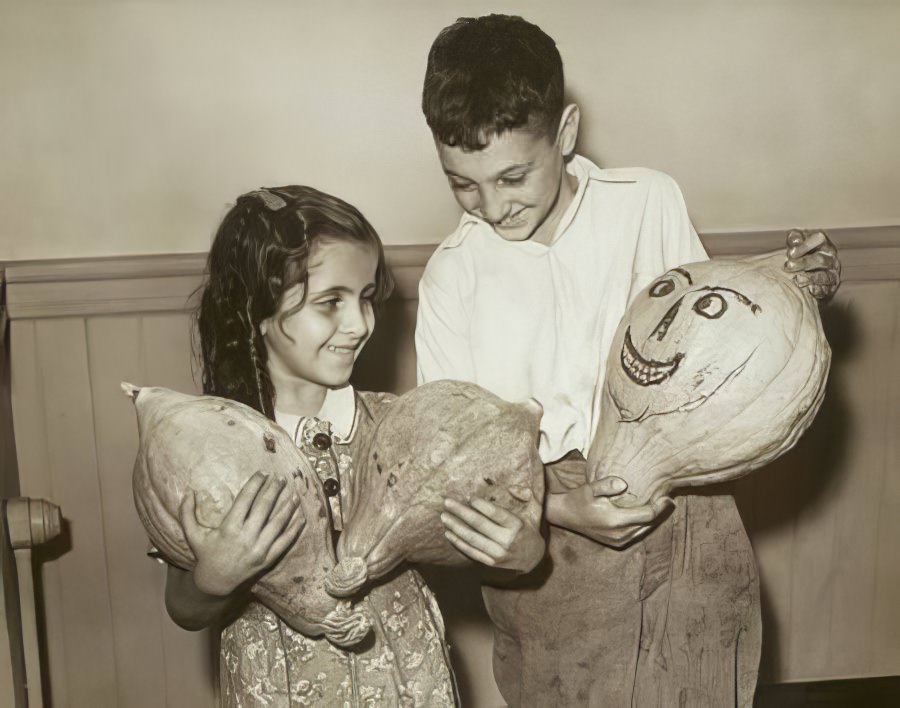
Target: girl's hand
(263, 522)
(492, 535)
(588, 511)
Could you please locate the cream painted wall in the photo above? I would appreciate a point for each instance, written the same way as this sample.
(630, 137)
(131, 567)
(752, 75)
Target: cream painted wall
(127, 127)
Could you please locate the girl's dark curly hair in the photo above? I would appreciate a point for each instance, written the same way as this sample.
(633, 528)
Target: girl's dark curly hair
(261, 249)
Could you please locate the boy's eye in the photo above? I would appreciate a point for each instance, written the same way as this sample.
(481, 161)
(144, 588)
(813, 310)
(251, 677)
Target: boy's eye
(462, 186)
(512, 179)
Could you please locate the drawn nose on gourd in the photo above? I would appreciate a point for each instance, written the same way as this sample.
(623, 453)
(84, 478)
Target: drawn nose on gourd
(660, 330)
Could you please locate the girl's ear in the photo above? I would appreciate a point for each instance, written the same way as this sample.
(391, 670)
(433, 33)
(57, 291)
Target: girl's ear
(568, 129)
(264, 327)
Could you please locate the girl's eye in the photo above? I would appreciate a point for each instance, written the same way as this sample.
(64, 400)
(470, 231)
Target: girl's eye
(711, 306)
(662, 288)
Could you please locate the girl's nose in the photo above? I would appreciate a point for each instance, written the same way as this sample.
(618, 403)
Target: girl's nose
(355, 320)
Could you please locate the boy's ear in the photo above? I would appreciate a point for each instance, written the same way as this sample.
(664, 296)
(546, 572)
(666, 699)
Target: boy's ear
(568, 129)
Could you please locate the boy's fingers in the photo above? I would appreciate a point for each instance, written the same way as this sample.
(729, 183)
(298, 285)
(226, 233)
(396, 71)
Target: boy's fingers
(662, 505)
(620, 518)
(467, 549)
(608, 486)
(810, 262)
(800, 242)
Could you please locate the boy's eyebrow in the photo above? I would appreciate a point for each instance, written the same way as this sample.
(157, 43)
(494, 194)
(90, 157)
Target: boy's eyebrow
(501, 173)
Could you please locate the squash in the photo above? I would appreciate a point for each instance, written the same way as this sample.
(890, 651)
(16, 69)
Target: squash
(716, 369)
(211, 446)
(442, 439)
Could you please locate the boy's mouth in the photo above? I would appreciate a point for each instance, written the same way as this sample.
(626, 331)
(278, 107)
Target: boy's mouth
(512, 221)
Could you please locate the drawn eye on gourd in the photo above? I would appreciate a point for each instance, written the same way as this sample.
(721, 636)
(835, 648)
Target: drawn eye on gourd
(680, 346)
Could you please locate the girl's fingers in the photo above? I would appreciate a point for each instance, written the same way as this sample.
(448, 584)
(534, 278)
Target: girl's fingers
(288, 535)
(468, 550)
(265, 502)
(497, 514)
(471, 517)
(472, 536)
(188, 517)
(279, 518)
(244, 500)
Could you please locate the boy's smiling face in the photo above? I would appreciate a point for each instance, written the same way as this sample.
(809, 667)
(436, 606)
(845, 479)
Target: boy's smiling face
(518, 182)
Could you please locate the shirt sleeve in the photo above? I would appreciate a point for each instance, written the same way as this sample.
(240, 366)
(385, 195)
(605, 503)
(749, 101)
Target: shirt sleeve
(443, 348)
(667, 238)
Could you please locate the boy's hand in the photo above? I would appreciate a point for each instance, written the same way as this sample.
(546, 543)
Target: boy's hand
(262, 523)
(492, 535)
(588, 511)
(813, 258)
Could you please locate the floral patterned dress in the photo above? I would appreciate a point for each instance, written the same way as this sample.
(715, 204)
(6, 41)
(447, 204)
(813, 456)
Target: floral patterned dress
(263, 662)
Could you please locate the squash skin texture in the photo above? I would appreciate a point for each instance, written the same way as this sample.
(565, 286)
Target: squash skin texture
(211, 446)
(442, 439)
(751, 363)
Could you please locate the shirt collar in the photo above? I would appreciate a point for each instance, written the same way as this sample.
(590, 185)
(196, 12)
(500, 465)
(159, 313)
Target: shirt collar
(584, 171)
(338, 409)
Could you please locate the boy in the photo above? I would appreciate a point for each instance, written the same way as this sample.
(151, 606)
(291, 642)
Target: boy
(523, 299)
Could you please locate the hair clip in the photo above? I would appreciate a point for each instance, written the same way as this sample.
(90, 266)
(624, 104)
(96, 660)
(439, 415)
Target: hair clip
(272, 201)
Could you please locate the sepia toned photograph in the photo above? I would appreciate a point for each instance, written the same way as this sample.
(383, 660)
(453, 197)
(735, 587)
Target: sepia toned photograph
(449, 354)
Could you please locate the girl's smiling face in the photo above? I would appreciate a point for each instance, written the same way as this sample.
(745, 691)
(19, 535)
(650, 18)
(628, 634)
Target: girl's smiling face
(313, 346)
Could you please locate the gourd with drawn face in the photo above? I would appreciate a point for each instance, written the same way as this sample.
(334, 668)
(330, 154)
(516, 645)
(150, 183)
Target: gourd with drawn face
(716, 369)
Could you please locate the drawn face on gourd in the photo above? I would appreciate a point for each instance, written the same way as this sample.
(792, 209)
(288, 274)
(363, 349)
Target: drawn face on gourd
(716, 369)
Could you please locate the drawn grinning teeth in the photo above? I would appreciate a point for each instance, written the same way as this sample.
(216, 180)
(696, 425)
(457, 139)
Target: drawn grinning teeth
(646, 372)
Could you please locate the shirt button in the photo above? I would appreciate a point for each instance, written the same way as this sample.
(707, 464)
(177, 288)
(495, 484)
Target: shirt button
(332, 487)
(321, 441)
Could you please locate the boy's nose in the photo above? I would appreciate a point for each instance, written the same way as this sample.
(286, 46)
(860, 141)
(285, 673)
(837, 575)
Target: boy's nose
(493, 210)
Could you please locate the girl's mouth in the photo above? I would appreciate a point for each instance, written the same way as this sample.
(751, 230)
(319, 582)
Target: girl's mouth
(345, 351)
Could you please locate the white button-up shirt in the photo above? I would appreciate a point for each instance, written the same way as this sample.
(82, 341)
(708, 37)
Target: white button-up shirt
(527, 320)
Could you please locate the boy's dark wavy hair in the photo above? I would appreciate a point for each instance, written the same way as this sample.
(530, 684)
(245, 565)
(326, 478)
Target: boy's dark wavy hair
(487, 75)
(261, 249)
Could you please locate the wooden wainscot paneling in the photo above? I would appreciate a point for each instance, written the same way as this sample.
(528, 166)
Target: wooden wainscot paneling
(822, 519)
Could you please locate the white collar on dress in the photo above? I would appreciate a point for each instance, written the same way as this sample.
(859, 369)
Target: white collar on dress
(584, 171)
(338, 408)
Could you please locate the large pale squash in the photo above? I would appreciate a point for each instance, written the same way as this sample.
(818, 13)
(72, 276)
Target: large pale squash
(716, 369)
(442, 439)
(211, 446)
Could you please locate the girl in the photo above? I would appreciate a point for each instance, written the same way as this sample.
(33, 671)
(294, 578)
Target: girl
(294, 276)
